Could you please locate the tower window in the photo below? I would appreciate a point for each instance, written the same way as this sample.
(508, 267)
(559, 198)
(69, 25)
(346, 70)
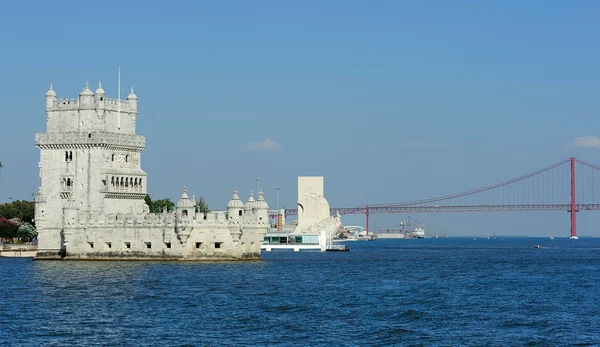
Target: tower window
(185, 213)
(67, 156)
(112, 157)
(68, 182)
(127, 158)
(240, 212)
(101, 98)
(70, 155)
(112, 181)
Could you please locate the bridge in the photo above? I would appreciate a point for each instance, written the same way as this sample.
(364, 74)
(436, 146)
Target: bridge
(553, 188)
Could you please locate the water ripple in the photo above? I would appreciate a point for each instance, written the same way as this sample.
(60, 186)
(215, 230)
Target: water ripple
(389, 292)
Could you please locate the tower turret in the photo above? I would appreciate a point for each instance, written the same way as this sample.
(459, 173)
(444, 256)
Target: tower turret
(50, 97)
(235, 207)
(250, 203)
(262, 207)
(100, 94)
(86, 97)
(183, 210)
(132, 100)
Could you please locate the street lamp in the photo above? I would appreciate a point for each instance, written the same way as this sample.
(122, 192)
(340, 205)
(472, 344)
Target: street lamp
(258, 184)
(277, 189)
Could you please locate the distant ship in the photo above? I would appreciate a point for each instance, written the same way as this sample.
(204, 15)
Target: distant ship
(418, 233)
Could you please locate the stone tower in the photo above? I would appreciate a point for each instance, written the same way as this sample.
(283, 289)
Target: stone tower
(89, 162)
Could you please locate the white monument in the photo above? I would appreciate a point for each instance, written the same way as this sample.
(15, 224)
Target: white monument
(313, 211)
(90, 203)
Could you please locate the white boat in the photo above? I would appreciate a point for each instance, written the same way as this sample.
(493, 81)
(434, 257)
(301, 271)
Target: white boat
(418, 233)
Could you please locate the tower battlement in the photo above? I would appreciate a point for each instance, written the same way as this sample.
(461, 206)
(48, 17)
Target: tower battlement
(74, 139)
(107, 104)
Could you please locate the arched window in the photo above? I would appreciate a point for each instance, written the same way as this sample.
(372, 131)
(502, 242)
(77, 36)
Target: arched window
(136, 183)
(66, 155)
(140, 183)
(89, 135)
(68, 182)
(240, 212)
(113, 157)
(112, 181)
(126, 182)
(184, 213)
(70, 155)
(131, 181)
(127, 158)
(122, 182)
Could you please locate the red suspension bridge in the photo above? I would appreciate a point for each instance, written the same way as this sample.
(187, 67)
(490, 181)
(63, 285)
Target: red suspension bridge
(553, 188)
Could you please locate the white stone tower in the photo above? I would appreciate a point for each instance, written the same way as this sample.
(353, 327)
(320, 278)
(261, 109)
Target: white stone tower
(89, 162)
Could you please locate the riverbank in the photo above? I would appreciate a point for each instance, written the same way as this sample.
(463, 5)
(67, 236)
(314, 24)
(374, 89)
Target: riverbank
(18, 251)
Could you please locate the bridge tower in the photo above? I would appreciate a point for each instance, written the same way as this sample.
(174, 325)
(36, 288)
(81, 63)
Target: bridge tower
(573, 205)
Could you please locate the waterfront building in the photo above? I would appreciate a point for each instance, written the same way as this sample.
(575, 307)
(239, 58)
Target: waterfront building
(90, 202)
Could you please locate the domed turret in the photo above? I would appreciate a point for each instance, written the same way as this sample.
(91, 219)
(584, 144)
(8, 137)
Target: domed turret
(185, 201)
(51, 92)
(235, 201)
(86, 91)
(131, 95)
(184, 208)
(100, 95)
(261, 204)
(235, 207)
(132, 100)
(86, 97)
(262, 208)
(50, 97)
(250, 203)
(100, 91)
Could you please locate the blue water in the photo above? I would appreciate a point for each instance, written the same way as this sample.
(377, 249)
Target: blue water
(389, 292)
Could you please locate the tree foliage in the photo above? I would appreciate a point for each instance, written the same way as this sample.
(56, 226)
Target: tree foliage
(202, 206)
(156, 206)
(17, 219)
(22, 209)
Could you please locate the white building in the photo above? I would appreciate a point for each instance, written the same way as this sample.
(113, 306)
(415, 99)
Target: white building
(90, 202)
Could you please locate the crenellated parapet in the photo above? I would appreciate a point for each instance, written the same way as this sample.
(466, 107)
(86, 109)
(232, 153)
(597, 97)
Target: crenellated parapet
(110, 140)
(108, 104)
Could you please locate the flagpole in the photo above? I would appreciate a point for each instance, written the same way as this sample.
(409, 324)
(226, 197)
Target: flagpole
(119, 101)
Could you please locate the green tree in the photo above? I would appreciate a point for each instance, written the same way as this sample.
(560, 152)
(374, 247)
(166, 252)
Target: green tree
(156, 206)
(202, 206)
(22, 209)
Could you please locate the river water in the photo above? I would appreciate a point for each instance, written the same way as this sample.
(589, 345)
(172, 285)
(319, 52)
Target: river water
(428, 292)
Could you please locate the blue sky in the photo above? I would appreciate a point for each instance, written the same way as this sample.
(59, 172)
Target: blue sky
(389, 100)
